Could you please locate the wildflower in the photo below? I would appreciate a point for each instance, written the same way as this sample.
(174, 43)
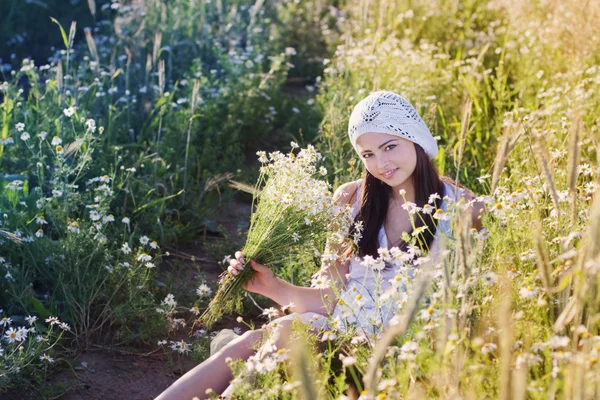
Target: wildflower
(358, 300)
(25, 136)
(489, 278)
(203, 290)
(323, 171)
(195, 310)
(46, 357)
(488, 348)
(69, 112)
(15, 185)
(6, 321)
(8, 140)
(480, 235)
(31, 319)
(59, 149)
(126, 220)
(441, 215)
(95, 215)
(41, 339)
(144, 257)
(348, 361)
(43, 135)
(144, 240)
(52, 321)
(56, 141)
(108, 218)
(328, 335)
(91, 125)
(295, 237)
(150, 265)
(40, 220)
(170, 300)
(320, 282)
(154, 245)
(20, 126)
(180, 347)
(528, 292)
(427, 209)
(11, 335)
(64, 326)
(262, 157)
(386, 383)
(417, 231)
(498, 208)
(125, 248)
(73, 227)
(289, 386)
(39, 233)
(384, 254)
(433, 197)
(558, 341)
(428, 313)
(271, 312)
(21, 335)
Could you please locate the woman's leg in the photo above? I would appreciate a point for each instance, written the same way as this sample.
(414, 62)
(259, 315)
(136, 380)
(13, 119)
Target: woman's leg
(213, 373)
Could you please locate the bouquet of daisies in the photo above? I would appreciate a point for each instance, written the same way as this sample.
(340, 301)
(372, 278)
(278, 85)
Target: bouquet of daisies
(291, 206)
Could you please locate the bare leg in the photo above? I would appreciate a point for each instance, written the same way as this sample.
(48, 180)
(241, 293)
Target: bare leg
(213, 373)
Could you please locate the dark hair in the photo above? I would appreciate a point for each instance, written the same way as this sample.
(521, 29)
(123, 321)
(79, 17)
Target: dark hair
(375, 199)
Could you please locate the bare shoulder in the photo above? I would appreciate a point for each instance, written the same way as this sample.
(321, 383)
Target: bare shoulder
(347, 192)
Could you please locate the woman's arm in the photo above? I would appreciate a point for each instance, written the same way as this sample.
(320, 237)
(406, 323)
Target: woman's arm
(304, 299)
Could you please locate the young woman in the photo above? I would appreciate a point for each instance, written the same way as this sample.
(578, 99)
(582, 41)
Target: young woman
(396, 148)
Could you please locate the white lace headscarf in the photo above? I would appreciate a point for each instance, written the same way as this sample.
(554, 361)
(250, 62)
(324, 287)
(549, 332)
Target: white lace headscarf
(387, 112)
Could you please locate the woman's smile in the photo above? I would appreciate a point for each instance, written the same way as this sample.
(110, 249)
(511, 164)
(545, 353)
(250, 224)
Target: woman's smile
(390, 173)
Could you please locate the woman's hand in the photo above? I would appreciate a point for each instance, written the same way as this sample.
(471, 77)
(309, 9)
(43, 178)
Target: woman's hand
(263, 281)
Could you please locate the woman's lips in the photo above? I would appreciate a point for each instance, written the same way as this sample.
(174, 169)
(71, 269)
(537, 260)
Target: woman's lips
(389, 174)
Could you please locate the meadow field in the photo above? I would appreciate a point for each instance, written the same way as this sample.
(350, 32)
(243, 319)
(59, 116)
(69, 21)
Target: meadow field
(127, 128)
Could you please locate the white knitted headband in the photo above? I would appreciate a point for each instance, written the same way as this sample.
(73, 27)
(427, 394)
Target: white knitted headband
(387, 112)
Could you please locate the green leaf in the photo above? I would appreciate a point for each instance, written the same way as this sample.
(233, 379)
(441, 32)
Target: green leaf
(39, 308)
(441, 162)
(62, 32)
(157, 201)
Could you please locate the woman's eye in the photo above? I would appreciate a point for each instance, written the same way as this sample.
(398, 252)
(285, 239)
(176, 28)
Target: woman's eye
(366, 155)
(391, 146)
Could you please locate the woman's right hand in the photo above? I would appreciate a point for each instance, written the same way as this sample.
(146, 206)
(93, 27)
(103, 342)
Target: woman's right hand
(263, 281)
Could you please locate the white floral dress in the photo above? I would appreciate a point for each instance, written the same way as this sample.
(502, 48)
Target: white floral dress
(370, 297)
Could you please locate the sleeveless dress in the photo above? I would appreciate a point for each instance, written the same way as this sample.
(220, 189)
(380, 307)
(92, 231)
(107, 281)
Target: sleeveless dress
(370, 297)
(382, 293)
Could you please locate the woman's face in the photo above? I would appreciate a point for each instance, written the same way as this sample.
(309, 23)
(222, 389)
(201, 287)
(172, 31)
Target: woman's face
(389, 158)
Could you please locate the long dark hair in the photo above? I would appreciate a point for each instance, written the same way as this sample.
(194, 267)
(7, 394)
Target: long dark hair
(375, 200)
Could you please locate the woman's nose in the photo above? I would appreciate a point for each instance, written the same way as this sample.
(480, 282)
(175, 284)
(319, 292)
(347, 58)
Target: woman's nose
(382, 162)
